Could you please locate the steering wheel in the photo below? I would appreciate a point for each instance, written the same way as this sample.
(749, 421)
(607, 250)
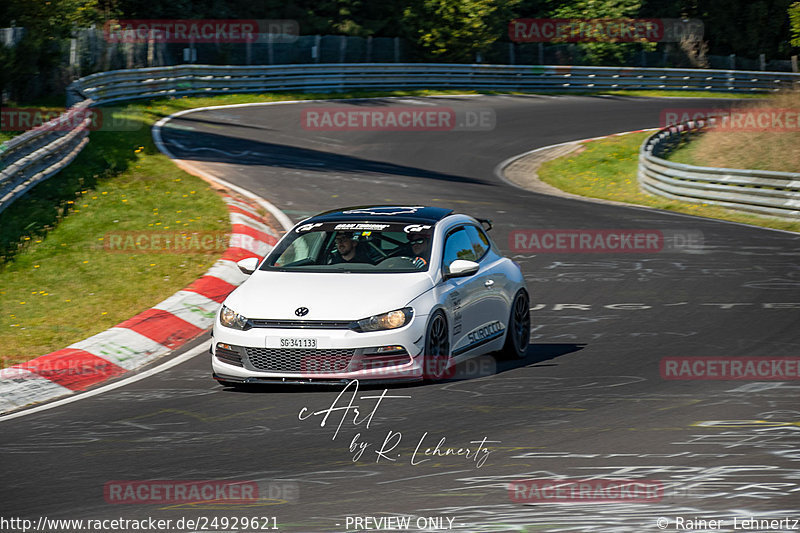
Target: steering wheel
(403, 261)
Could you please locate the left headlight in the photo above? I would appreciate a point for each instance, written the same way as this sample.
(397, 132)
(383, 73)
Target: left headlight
(391, 320)
(231, 319)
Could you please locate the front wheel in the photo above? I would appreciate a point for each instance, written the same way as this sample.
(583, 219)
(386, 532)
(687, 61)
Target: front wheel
(519, 327)
(436, 357)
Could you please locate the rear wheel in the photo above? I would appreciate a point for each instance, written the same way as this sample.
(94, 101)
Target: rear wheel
(436, 357)
(519, 327)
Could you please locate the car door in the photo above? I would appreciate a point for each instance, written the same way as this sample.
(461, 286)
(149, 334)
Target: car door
(464, 294)
(491, 306)
(494, 300)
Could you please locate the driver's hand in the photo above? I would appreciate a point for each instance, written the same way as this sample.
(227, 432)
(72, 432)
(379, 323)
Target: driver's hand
(419, 262)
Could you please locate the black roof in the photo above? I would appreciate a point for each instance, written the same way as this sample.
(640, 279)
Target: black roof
(387, 213)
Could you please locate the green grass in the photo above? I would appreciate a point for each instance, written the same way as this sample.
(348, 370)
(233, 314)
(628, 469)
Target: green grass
(653, 93)
(686, 153)
(58, 284)
(607, 169)
(688, 94)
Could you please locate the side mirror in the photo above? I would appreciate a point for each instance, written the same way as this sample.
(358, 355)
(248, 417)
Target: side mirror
(249, 265)
(461, 268)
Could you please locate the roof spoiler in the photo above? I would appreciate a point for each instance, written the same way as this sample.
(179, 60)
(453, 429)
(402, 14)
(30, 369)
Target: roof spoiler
(486, 223)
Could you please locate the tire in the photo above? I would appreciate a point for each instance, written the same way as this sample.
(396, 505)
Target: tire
(436, 356)
(518, 333)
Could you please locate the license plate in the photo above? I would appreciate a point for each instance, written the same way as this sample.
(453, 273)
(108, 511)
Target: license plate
(297, 342)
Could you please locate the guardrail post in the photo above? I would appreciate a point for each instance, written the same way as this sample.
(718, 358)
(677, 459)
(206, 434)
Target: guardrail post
(794, 64)
(732, 61)
(128, 55)
(369, 49)
(270, 52)
(512, 60)
(150, 49)
(762, 60)
(315, 50)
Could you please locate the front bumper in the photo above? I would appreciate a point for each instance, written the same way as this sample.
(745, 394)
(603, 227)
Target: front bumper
(341, 355)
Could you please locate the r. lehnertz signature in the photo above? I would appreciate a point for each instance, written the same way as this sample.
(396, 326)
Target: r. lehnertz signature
(478, 454)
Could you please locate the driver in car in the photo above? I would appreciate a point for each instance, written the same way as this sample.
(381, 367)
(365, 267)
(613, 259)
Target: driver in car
(419, 250)
(348, 250)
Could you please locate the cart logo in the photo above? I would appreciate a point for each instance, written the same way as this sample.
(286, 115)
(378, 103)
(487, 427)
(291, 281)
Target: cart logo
(417, 228)
(301, 311)
(308, 227)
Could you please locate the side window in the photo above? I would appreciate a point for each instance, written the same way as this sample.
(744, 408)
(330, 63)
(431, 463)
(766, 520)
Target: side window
(458, 246)
(479, 241)
(303, 248)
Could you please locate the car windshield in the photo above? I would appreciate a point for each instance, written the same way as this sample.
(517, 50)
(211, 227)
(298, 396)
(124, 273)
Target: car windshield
(374, 247)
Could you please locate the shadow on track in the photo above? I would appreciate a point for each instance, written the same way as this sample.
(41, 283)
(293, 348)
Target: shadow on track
(214, 148)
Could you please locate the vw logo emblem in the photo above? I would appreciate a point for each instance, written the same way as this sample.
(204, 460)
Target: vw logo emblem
(301, 311)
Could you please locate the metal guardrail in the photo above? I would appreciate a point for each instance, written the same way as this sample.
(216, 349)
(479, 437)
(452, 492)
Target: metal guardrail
(158, 82)
(34, 156)
(764, 192)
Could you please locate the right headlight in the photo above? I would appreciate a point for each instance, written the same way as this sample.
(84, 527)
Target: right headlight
(391, 320)
(231, 319)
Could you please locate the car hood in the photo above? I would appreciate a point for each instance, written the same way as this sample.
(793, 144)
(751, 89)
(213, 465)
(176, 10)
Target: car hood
(328, 296)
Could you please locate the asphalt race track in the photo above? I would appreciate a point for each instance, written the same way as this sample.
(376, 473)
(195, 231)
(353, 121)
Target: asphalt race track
(589, 401)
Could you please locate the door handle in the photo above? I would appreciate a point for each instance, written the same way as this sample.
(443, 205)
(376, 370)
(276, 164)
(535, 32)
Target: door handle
(488, 283)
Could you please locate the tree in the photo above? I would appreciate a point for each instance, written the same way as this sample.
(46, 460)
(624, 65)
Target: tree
(32, 67)
(598, 53)
(794, 21)
(456, 30)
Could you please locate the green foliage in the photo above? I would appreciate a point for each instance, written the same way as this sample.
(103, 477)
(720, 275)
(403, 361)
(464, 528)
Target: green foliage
(794, 21)
(604, 53)
(39, 52)
(455, 30)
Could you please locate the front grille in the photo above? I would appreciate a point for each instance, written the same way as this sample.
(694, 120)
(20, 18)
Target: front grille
(299, 324)
(305, 361)
(229, 356)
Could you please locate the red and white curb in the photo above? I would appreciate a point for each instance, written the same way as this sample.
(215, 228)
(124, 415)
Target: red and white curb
(148, 335)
